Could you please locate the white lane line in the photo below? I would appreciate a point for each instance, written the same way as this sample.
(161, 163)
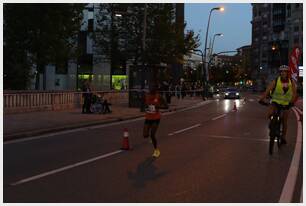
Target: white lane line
(64, 168)
(190, 108)
(98, 126)
(301, 198)
(183, 130)
(288, 189)
(240, 138)
(218, 117)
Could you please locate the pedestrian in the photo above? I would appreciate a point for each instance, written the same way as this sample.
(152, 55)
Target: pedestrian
(152, 117)
(106, 104)
(87, 96)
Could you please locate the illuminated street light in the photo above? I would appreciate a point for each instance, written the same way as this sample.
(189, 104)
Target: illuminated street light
(205, 47)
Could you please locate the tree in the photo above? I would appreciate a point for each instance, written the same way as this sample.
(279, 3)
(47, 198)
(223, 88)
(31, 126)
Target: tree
(38, 34)
(121, 37)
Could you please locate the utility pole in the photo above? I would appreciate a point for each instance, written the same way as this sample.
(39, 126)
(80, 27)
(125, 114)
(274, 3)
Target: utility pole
(142, 94)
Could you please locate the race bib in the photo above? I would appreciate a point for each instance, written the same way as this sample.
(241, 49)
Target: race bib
(151, 108)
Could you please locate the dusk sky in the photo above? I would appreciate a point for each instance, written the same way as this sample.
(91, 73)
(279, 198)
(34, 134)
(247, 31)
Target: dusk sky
(234, 23)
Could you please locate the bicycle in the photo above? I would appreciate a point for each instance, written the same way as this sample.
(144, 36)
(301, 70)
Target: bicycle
(275, 125)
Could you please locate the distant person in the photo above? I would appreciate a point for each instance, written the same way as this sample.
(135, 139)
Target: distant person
(106, 108)
(87, 96)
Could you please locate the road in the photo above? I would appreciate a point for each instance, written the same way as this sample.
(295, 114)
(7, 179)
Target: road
(209, 154)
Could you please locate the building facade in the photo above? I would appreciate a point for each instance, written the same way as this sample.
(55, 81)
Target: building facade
(276, 30)
(92, 64)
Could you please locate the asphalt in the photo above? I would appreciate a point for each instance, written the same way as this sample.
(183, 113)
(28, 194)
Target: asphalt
(224, 159)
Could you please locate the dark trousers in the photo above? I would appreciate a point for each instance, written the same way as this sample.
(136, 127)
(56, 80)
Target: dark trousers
(86, 105)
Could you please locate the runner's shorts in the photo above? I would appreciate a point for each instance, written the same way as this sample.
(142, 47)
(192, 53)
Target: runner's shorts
(152, 121)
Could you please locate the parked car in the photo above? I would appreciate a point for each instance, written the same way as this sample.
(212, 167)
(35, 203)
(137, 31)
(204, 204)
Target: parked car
(231, 93)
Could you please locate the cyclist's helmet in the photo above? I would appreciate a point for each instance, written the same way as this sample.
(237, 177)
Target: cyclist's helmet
(283, 68)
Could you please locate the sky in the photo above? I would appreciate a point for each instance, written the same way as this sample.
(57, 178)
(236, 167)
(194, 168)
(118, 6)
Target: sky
(234, 22)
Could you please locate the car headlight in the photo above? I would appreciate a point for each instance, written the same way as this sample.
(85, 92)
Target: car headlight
(237, 94)
(226, 93)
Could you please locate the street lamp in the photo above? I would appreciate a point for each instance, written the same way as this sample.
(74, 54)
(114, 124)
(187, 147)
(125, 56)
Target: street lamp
(212, 45)
(275, 48)
(213, 9)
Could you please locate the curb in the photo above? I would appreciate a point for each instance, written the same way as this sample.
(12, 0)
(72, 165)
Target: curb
(26, 134)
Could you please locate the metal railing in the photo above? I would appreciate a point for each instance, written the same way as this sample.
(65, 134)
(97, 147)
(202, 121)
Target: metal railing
(14, 102)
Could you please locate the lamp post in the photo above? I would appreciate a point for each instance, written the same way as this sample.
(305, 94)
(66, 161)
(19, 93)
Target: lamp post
(206, 78)
(203, 69)
(142, 96)
(212, 45)
(211, 48)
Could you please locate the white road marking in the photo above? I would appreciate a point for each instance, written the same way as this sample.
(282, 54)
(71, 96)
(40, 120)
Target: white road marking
(241, 138)
(97, 126)
(288, 189)
(251, 100)
(183, 130)
(189, 108)
(218, 117)
(301, 198)
(64, 168)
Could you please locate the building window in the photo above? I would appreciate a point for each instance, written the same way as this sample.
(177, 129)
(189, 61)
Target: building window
(296, 28)
(297, 6)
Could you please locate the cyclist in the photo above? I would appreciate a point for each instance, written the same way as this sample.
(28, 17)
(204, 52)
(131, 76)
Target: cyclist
(282, 90)
(152, 117)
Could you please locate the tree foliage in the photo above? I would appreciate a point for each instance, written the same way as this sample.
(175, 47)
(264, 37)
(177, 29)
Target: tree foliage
(121, 37)
(37, 34)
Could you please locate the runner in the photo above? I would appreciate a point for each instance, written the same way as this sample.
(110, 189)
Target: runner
(152, 117)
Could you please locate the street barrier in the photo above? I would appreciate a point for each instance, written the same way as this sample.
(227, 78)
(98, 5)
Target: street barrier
(31, 101)
(18, 102)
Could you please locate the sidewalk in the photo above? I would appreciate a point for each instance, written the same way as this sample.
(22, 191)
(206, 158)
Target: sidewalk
(36, 123)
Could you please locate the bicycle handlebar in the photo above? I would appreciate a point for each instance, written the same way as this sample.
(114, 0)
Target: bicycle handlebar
(267, 104)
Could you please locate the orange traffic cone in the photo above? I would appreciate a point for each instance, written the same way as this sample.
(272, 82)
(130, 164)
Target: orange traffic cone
(125, 142)
(235, 107)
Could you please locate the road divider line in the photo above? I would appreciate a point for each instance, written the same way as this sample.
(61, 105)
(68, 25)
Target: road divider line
(218, 117)
(288, 189)
(240, 138)
(301, 197)
(64, 168)
(183, 130)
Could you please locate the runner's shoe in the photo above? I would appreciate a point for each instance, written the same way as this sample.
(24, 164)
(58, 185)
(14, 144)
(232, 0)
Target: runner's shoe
(156, 153)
